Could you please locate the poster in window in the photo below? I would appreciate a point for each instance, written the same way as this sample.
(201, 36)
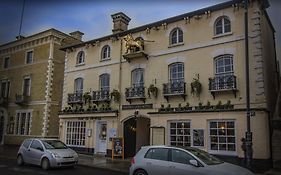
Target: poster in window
(117, 147)
(198, 137)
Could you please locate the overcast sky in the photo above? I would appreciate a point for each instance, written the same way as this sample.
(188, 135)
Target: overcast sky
(92, 17)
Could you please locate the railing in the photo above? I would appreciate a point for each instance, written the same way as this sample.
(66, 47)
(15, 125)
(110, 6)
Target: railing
(75, 98)
(21, 99)
(221, 83)
(174, 88)
(135, 92)
(102, 95)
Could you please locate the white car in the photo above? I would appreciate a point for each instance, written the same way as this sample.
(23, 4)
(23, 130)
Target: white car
(46, 153)
(164, 160)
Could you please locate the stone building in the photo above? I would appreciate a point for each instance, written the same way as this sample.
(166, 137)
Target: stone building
(179, 81)
(31, 74)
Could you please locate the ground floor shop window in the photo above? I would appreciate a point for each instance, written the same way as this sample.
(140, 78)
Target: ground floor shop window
(222, 135)
(180, 133)
(22, 123)
(75, 133)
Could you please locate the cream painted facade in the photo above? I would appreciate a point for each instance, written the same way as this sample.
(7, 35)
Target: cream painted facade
(195, 57)
(31, 70)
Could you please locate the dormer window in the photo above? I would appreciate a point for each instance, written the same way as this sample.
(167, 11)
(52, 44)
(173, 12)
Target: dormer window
(222, 25)
(176, 36)
(80, 58)
(105, 52)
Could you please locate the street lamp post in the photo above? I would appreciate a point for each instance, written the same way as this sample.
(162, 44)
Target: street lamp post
(248, 134)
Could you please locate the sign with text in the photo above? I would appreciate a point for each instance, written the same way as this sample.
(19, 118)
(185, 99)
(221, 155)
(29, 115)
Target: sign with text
(198, 137)
(137, 106)
(117, 147)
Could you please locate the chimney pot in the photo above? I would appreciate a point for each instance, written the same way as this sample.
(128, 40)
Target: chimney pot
(120, 22)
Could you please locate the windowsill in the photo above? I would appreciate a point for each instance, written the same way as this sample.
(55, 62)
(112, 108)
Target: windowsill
(105, 59)
(81, 64)
(175, 45)
(222, 35)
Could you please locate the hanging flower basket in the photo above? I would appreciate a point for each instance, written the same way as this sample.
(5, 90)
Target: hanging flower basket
(115, 94)
(196, 87)
(152, 90)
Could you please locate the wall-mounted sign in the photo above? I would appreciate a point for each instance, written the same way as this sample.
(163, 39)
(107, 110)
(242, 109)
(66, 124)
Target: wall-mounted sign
(137, 106)
(198, 137)
(117, 147)
(158, 135)
(112, 132)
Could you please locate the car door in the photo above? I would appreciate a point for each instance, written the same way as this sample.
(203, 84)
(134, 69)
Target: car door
(36, 151)
(179, 164)
(24, 150)
(156, 161)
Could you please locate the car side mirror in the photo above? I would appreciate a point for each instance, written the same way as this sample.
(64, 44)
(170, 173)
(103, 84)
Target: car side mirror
(194, 162)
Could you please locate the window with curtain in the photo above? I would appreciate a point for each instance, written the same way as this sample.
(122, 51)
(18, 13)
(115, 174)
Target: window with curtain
(80, 57)
(106, 52)
(176, 36)
(78, 85)
(138, 77)
(104, 82)
(176, 71)
(224, 65)
(222, 25)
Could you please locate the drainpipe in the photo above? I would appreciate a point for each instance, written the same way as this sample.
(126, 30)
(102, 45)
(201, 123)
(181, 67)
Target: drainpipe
(248, 134)
(119, 88)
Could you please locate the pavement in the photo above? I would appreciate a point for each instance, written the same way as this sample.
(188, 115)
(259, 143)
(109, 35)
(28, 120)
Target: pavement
(98, 161)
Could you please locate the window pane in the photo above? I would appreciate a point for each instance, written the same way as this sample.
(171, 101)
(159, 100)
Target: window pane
(181, 157)
(158, 154)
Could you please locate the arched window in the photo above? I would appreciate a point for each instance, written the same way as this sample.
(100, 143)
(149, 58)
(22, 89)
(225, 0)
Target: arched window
(176, 36)
(138, 77)
(224, 65)
(78, 85)
(80, 57)
(104, 82)
(105, 52)
(176, 72)
(222, 25)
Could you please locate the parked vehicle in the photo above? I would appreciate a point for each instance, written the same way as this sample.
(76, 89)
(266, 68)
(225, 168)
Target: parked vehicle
(164, 160)
(46, 153)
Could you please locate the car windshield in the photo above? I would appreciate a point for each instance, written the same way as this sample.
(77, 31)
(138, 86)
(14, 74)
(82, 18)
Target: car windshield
(204, 156)
(54, 144)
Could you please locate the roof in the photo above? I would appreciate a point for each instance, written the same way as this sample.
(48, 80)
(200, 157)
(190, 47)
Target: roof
(158, 23)
(37, 34)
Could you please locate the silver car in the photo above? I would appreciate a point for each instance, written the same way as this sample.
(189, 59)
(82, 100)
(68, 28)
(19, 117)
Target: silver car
(164, 160)
(46, 153)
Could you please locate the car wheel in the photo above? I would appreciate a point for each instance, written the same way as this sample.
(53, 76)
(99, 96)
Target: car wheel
(140, 172)
(20, 160)
(45, 164)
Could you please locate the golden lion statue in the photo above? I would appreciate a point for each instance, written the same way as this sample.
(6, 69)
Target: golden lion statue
(133, 44)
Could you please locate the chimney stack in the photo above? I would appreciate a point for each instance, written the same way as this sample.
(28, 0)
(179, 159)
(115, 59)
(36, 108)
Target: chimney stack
(120, 22)
(77, 35)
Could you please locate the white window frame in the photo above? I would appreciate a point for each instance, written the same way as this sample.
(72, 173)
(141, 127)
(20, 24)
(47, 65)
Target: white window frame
(223, 152)
(75, 133)
(105, 53)
(105, 77)
(23, 85)
(27, 122)
(222, 19)
(177, 30)
(4, 62)
(76, 83)
(223, 57)
(178, 79)
(136, 75)
(32, 56)
(80, 58)
(179, 121)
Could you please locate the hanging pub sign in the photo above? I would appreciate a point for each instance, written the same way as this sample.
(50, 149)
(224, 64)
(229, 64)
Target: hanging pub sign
(117, 147)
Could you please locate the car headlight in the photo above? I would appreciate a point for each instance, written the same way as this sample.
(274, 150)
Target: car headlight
(56, 155)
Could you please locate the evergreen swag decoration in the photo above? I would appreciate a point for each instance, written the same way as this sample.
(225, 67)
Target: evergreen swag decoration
(115, 94)
(196, 86)
(152, 90)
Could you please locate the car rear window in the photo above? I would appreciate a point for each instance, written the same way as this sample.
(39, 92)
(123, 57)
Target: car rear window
(157, 153)
(26, 143)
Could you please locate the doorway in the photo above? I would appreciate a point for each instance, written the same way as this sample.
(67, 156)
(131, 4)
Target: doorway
(101, 137)
(136, 134)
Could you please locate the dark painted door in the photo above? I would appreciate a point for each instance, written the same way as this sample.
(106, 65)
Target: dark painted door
(130, 137)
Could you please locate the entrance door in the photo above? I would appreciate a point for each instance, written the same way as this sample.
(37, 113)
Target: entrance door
(1, 126)
(101, 137)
